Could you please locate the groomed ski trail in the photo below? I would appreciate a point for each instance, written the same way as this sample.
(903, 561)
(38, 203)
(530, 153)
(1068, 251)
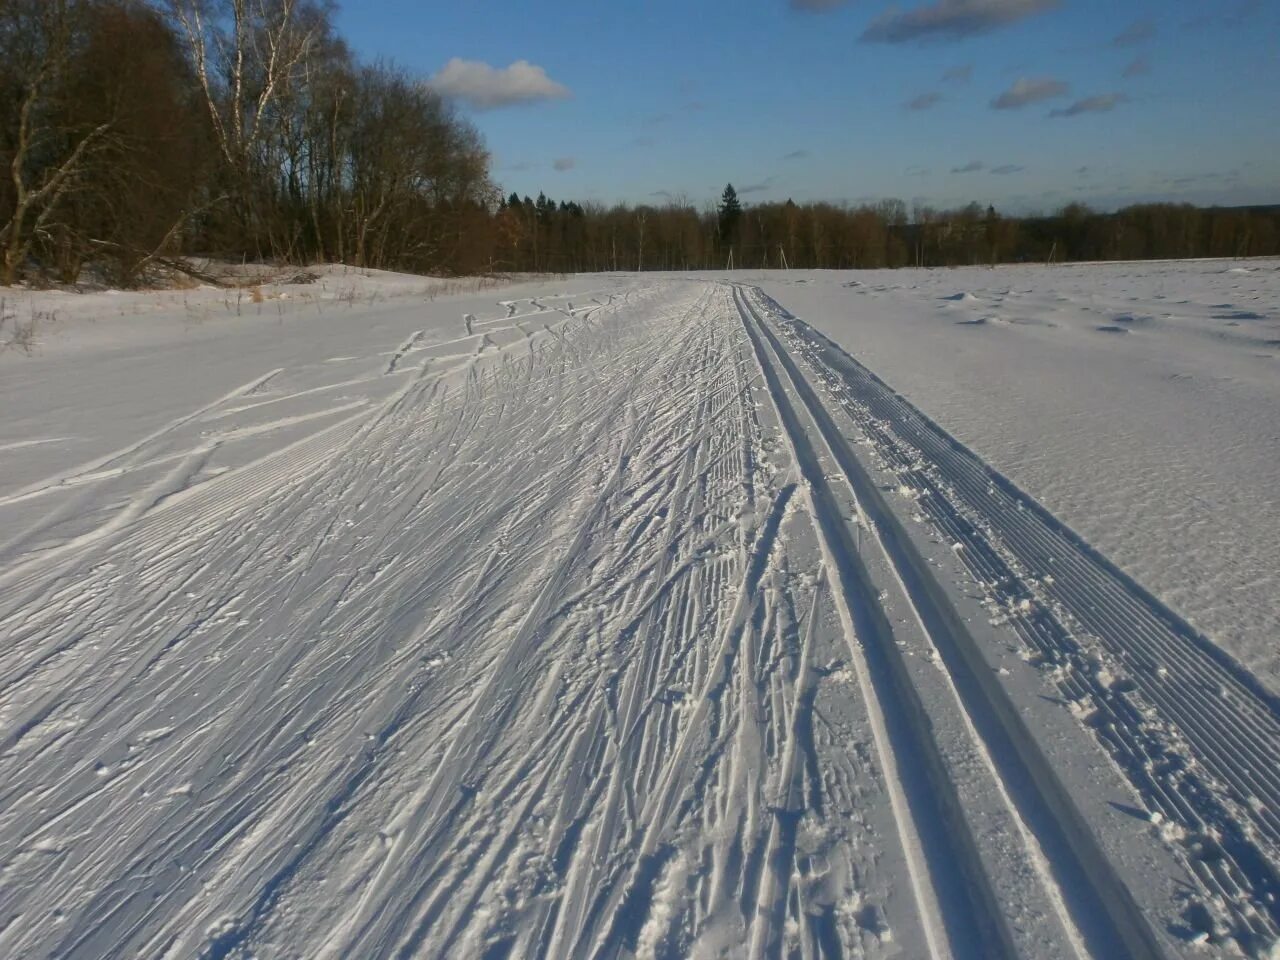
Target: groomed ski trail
(605, 637)
(1195, 737)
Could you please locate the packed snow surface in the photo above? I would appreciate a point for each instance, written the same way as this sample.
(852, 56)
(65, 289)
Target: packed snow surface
(1138, 402)
(812, 615)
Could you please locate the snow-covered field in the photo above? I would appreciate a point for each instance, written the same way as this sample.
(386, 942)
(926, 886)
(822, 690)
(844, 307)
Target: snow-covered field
(834, 615)
(1138, 402)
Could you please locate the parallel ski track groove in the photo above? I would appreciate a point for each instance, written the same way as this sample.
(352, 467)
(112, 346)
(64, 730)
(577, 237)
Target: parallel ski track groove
(1022, 553)
(972, 922)
(1031, 783)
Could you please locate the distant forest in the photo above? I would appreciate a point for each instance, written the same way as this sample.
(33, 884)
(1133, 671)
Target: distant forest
(134, 133)
(544, 235)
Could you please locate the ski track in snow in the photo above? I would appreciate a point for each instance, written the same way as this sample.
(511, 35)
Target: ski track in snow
(606, 632)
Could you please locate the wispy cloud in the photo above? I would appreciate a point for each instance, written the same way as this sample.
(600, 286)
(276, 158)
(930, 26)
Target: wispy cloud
(484, 87)
(797, 155)
(563, 164)
(760, 187)
(961, 74)
(1225, 15)
(1137, 67)
(952, 19)
(817, 6)
(1102, 103)
(924, 101)
(1007, 168)
(1198, 178)
(1027, 90)
(1140, 31)
(973, 166)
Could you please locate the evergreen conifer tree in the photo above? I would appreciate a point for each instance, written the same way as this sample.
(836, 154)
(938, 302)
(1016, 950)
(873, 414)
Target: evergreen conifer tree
(730, 213)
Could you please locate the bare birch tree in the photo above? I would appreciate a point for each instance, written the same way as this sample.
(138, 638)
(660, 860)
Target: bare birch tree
(44, 158)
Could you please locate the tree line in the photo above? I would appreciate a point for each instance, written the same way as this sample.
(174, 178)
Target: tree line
(136, 132)
(569, 237)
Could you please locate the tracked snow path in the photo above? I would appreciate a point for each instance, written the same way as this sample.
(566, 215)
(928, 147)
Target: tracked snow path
(592, 634)
(535, 658)
(1055, 892)
(1196, 736)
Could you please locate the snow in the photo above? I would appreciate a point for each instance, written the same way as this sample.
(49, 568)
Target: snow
(614, 616)
(1160, 448)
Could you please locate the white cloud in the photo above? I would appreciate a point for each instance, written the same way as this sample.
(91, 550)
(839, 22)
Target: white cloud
(1138, 67)
(924, 101)
(1026, 91)
(1226, 15)
(1137, 32)
(817, 6)
(486, 88)
(952, 19)
(1100, 104)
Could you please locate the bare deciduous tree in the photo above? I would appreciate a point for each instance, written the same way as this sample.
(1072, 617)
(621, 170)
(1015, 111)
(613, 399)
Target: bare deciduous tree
(44, 155)
(247, 56)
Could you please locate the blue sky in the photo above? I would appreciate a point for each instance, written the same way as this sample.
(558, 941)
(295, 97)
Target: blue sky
(857, 100)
